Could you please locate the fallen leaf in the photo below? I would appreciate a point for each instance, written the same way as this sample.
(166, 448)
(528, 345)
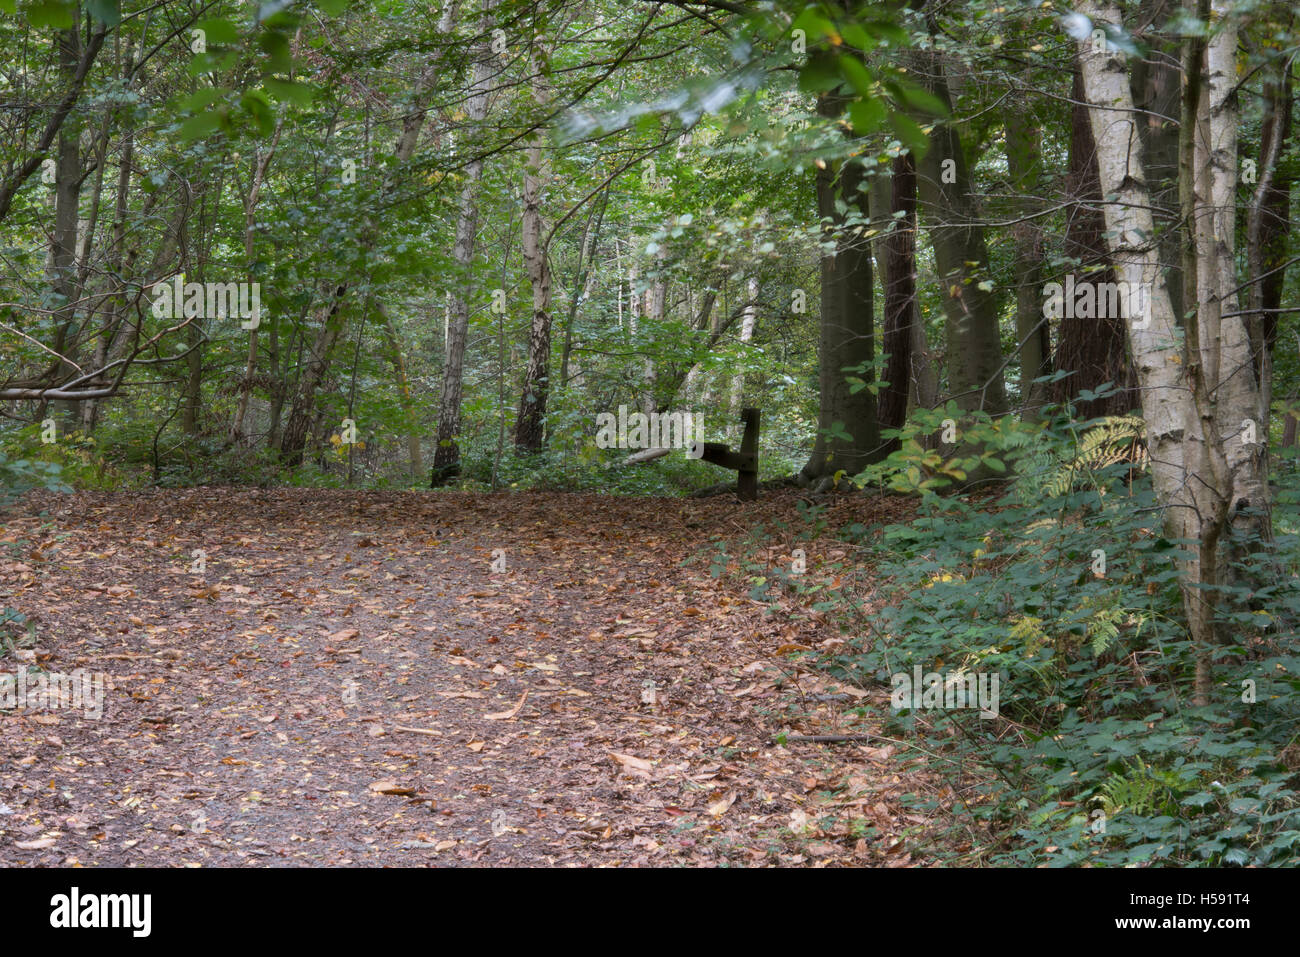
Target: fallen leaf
(508, 715)
(720, 806)
(389, 786)
(37, 845)
(633, 765)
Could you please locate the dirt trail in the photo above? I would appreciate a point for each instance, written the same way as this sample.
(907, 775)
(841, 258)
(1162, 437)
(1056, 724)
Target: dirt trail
(350, 682)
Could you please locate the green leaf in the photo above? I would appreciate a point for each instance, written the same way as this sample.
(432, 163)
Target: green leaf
(297, 94)
(57, 14)
(852, 70)
(812, 23)
(910, 134)
(106, 12)
(917, 97)
(199, 126)
(218, 30)
(867, 115)
(200, 100)
(858, 35)
(819, 74)
(276, 47)
(258, 107)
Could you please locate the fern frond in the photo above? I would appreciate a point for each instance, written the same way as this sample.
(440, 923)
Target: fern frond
(1116, 439)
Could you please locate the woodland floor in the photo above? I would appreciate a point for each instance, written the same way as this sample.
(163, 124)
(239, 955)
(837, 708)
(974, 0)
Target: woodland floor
(350, 684)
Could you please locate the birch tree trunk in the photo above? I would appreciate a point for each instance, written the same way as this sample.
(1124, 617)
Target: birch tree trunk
(446, 456)
(537, 174)
(1198, 384)
(747, 320)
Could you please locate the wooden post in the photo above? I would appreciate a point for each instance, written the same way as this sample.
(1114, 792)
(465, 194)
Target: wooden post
(744, 462)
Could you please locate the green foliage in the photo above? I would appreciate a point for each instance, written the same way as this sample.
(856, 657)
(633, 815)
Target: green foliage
(1095, 684)
(1097, 755)
(74, 461)
(20, 476)
(981, 446)
(1112, 441)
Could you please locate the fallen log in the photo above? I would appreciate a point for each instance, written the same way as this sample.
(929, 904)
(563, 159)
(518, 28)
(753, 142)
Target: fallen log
(646, 455)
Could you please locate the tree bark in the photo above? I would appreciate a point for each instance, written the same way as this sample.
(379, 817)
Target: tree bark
(446, 456)
(1197, 384)
(529, 423)
(261, 163)
(1091, 348)
(898, 277)
(974, 348)
(1025, 170)
(848, 434)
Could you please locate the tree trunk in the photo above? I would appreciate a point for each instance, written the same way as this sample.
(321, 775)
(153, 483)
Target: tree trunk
(393, 342)
(1267, 232)
(974, 348)
(747, 319)
(1033, 333)
(1196, 386)
(848, 435)
(532, 403)
(1156, 83)
(446, 456)
(1235, 381)
(896, 260)
(1091, 348)
(293, 442)
(261, 162)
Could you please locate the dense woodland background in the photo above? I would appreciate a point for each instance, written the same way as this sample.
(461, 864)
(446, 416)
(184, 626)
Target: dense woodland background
(476, 226)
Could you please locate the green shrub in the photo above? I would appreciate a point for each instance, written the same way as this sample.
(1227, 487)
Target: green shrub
(1097, 755)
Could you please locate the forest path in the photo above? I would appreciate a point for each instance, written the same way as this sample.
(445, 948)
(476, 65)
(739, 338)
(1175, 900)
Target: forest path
(350, 682)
